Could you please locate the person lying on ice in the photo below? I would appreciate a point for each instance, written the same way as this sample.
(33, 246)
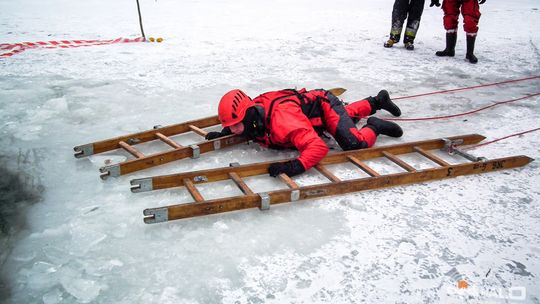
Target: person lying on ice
(295, 119)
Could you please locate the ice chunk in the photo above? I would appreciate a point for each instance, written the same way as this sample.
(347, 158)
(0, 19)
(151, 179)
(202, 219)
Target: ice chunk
(84, 290)
(52, 297)
(42, 275)
(84, 239)
(57, 104)
(23, 253)
(56, 255)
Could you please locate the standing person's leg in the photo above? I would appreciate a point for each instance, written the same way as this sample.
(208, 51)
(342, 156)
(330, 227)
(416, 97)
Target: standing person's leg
(399, 14)
(471, 16)
(416, 8)
(450, 20)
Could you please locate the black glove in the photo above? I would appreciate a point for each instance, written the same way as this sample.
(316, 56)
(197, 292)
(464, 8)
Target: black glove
(482, 1)
(291, 168)
(437, 3)
(213, 135)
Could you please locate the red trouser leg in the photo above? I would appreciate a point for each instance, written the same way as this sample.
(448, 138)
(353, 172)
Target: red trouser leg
(340, 125)
(366, 135)
(471, 15)
(359, 109)
(451, 14)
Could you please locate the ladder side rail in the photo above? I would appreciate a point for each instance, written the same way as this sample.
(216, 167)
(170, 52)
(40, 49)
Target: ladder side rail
(333, 188)
(397, 149)
(175, 180)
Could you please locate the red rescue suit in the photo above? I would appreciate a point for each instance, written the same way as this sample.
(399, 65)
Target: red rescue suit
(294, 119)
(470, 10)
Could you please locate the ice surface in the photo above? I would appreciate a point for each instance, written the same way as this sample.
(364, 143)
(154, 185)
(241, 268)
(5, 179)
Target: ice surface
(85, 242)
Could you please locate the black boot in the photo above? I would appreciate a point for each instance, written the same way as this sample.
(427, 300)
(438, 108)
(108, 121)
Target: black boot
(391, 41)
(383, 101)
(384, 127)
(451, 39)
(409, 42)
(470, 49)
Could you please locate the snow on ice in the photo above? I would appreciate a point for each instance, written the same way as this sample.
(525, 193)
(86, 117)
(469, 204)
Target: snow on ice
(67, 237)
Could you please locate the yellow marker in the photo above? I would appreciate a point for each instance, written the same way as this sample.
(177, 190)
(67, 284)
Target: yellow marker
(159, 39)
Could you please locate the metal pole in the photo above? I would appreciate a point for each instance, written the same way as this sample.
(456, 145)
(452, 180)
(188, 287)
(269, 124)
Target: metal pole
(140, 18)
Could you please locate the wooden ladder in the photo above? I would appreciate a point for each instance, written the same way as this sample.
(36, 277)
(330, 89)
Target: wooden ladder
(442, 169)
(163, 134)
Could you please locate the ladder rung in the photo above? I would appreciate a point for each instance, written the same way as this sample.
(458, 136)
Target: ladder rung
(287, 180)
(238, 181)
(168, 141)
(130, 149)
(431, 156)
(398, 161)
(327, 173)
(197, 130)
(193, 190)
(360, 164)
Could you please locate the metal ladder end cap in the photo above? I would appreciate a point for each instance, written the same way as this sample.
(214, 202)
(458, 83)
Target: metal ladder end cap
(109, 171)
(83, 150)
(157, 215)
(141, 185)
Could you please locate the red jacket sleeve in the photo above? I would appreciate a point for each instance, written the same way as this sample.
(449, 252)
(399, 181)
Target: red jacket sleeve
(290, 125)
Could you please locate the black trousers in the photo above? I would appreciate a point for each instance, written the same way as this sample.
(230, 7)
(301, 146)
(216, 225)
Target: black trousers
(406, 9)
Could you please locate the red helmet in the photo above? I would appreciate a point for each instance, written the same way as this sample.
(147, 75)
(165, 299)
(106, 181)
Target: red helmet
(232, 107)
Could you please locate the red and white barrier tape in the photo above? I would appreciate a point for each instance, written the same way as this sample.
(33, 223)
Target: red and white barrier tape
(15, 48)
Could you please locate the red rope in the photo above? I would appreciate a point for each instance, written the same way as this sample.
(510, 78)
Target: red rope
(499, 139)
(468, 88)
(473, 111)
(465, 113)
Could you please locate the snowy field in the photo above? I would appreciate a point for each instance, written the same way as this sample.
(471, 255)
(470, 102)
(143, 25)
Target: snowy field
(68, 237)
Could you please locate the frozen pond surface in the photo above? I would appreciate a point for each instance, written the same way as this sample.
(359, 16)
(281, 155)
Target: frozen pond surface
(68, 237)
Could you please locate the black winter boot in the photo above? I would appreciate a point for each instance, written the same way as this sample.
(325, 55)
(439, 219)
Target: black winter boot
(383, 101)
(384, 127)
(470, 49)
(408, 41)
(451, 39)
(391, 41)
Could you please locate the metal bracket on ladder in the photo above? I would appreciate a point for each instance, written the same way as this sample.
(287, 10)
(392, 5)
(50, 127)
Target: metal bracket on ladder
(265, 201)
(450, 146)
(196, 151)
